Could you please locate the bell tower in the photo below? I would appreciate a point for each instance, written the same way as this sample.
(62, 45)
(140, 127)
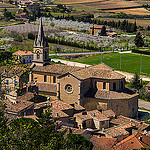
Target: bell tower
(40, 48)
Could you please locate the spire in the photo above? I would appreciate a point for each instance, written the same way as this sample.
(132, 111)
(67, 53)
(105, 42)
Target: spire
(40, 40)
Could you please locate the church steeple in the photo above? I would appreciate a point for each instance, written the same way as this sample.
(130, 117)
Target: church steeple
(40, 41)
(41, 48)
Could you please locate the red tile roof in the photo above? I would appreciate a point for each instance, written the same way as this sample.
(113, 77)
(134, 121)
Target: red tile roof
(133, 142)
(117, 130)
(56, 68)
(16, 106)
(148, 85)
(101, 71)
(47, 87)
(103, 94)
(102, 142)
(94, 114)
(138, 124)
(108, 113)
(23, 53)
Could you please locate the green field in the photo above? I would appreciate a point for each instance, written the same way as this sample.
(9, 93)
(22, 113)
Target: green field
(129, 62)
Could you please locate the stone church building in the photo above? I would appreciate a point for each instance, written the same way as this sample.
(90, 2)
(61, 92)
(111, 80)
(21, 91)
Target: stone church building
(97, 85)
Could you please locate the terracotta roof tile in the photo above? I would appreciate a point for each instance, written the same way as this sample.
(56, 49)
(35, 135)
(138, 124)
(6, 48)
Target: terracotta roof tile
(148, 85)
(78, 107)
(16, 106)
(117, 130)
(47, 87)
(121, 120)
(56, 68)
(103, 94)
(103, 72)
(12, 71)
(23, 53)
(108, 113)
(102, 142)
(94, 114)
(133, 142)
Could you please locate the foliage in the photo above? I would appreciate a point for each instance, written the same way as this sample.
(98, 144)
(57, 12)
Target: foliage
(52, 24)
(77, 141)
(103, 31)
(139, 42)
(136, 82)
(31, 36)
(25, 133)
(4, 130)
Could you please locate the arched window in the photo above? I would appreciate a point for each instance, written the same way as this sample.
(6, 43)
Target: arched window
(38, 55)
(114, 86)
(104, 85)
(121, 85)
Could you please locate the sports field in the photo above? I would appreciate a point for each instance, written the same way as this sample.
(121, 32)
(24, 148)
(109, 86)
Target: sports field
(129, 62)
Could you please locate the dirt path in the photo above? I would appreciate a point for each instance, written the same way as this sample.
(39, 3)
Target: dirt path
(129, 76)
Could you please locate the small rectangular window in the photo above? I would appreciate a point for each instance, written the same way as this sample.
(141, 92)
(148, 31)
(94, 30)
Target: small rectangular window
(7, 81)
(45, 78)
(89, 122)
(104, 85)
(54, 79)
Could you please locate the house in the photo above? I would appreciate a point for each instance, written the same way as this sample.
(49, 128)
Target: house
(96, 30)
(137, 126)
(99, 85)
(135, 141)
(147, 87)
(25, 56)
(14, 78)
(18, 107)
(92, 119)
(102, 142)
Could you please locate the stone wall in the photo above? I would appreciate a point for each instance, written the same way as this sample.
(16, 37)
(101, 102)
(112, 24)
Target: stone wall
(73, 95)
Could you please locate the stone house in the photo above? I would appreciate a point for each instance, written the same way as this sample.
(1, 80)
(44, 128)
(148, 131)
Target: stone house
(14, 78)
(135, 141)
(18, 107)
(92, 119)
(96, 30)
(25, 56)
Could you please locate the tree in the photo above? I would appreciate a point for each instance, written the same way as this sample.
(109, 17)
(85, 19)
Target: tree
(93, 30)
(139, 40)
(136, 82)
(103, 31)
(77, 141)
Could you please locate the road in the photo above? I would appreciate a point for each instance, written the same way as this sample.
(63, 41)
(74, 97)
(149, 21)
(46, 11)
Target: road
(83, 53)
(144, 104)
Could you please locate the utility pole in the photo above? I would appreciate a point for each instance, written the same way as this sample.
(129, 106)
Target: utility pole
(141, 64)
(120, 61)
(82, 53)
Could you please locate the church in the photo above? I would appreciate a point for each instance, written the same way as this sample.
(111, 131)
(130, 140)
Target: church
(98, 86)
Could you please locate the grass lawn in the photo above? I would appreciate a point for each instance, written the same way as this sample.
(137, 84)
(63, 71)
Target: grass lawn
(129, 62)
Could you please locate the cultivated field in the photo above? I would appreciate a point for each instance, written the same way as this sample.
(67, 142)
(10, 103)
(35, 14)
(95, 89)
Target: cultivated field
(8, 6)
(129, 62)
(100, 4)
(134, 11)
(141, 22)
